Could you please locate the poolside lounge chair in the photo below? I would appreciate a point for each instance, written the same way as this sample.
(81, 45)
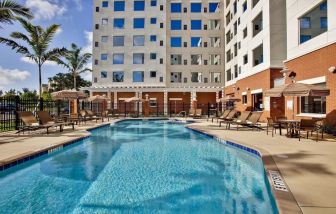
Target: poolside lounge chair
(241, 119)
(224, 115)
(192, 112)
(198, 113)
(230, 117)
(32, 124)
(108, 114)
(46, 119)
(94, 116)
(252, 122)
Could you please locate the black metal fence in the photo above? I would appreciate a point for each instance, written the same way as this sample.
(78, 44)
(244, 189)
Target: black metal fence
(9, 106)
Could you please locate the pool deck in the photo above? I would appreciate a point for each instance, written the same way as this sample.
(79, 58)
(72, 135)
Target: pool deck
(307, 167)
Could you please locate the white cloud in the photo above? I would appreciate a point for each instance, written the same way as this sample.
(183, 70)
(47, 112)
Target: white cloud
(28, 60)
(10, 76)
(44, 9)
(89, 40)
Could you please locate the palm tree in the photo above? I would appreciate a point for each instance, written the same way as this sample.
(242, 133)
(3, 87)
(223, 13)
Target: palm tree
(9, 10)
(38, 41)
(75, 61)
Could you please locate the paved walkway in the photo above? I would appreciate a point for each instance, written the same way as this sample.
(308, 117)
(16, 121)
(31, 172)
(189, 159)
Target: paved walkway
(308, 167)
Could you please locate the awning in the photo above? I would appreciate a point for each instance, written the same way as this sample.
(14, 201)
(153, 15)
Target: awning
(298, 90)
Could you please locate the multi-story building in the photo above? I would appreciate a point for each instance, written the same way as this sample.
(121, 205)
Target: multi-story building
(255, 47)
(160, 50)
(311, 54)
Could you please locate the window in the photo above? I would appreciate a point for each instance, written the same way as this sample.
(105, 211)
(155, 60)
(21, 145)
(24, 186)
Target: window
(138, 23)
(153, 38)
(323, 22)
(215, 42)
(228, 75)
(175, 7)
(95, 80)
(313, 23)
(152, 103)
(176, 25)
(139, 40)
(176, 59)
(257, 24)
(214, 24)
(104, 39)
(139, 5)
(175, 42)
(304, 38)
(103, 57)
(313, 105)
(305, 23)
(196, 7)
(161, 25)
(105, 4)
(196, 24)
(245, 58)
(119, 23)
(103, 74)
(161, 61)
(245, 32)
(228, 56)
(196, 59)
(152, 74)
(153, 3)
(118, 76)
(118, 41)
(138, 76)
(118, 59)
(104, 21)
(196, 77)
(196, 42)
(215, 59)
(175, 77)
(244, 6)
(119, 6)
(244, 99)
(255, 2)
(152, 56)
(153, 21)
(213, 7)
(138, 58)
(235, 7)
(215, 77)
(257, 102)
(258, 55)
(235, 71)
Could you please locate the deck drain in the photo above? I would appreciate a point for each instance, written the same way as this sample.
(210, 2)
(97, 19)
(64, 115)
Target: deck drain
(277, 181)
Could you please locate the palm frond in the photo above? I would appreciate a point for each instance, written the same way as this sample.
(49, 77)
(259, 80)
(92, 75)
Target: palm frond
(10, 11)
(14, 45)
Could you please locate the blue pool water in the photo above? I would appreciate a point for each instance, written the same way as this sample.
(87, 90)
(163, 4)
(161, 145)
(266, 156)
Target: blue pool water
(139, 167)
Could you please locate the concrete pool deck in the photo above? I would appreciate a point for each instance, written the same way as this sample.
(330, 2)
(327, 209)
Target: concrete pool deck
(307, 167)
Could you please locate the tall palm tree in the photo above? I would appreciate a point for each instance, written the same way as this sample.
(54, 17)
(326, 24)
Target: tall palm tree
(9, 10)
(38, 41)
(75, 61)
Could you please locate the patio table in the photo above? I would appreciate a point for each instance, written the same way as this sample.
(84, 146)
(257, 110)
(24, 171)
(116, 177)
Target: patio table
(292, 124)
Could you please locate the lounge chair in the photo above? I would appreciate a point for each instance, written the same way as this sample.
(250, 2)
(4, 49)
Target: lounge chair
(94, 116)
(252, 122)
(108, 114)
(192, 112)
(224, 115)
(241, 119)
(230, 117)
(198, 113)
(32, 124)
(46, 119)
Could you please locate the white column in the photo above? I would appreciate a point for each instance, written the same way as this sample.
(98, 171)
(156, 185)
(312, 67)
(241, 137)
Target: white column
(115, 100)
(165, 102)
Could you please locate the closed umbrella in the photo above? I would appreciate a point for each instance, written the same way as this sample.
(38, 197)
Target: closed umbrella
(68, 95)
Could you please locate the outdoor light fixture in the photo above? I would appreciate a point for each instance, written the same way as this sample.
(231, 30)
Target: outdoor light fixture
(332, 69)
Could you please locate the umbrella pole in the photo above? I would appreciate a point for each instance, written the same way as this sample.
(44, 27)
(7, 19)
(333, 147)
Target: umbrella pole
(293, 108)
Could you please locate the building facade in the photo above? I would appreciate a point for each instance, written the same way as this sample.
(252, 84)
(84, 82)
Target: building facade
(160, 50)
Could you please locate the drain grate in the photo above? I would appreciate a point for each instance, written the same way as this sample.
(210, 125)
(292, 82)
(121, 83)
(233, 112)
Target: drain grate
(277, 181)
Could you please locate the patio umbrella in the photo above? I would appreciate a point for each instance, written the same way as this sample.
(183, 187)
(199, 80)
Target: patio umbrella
(98, 99)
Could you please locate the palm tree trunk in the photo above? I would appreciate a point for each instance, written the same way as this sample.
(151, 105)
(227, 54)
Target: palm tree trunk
(74, 76)
(40, 80)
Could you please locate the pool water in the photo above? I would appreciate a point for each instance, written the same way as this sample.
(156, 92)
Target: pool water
(139, 167)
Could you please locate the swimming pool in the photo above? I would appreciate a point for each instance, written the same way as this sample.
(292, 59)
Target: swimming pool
(139, 167)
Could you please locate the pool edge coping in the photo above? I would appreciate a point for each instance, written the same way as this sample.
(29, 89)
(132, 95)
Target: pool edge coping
(282, 199)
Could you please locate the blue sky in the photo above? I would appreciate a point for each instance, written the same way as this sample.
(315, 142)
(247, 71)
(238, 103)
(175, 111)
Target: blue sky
(75, 18)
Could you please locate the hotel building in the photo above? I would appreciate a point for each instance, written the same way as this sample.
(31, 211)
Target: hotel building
(160, 50)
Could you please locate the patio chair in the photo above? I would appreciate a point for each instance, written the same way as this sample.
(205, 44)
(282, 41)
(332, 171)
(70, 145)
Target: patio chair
(224, 115)
(310, 125)
(192, 112)
(230, 117)
(241, 119)
(108, 114)
(252, 121)
(46, 119)
(32, 124)
(198, 113)
(94, 116)
(271, 124)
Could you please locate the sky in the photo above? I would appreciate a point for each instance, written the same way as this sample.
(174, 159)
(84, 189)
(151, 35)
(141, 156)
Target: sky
(75, 18)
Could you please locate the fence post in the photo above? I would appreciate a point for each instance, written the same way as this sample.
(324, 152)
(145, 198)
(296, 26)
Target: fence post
(138, 106)
(17, 120)
(41, 104)
(125, 108)
(170, 109)
(182, 106)
(157, 109)
(208, 110)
